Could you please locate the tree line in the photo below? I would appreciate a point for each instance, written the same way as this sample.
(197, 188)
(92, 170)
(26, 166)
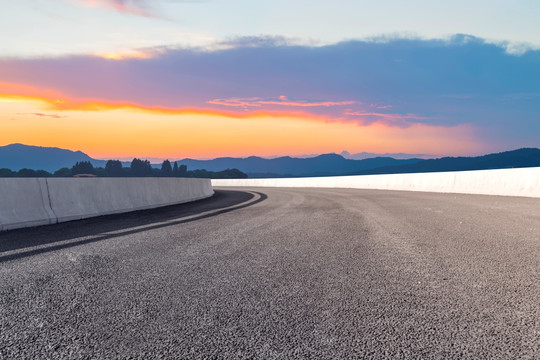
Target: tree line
(137, 168)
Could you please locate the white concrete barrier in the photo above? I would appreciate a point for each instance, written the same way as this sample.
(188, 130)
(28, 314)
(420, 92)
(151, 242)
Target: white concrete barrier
(33, 201)
(24, 202)
(508, 182)
(78, 198)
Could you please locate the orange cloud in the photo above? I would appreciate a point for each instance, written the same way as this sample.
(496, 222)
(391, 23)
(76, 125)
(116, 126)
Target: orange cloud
(21, 91)
(136, 54)
(56, 101)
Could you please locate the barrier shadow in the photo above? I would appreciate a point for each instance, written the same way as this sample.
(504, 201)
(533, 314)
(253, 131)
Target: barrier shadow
(100, 228)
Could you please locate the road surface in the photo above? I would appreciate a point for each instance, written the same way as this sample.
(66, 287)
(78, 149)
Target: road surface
(275, 273)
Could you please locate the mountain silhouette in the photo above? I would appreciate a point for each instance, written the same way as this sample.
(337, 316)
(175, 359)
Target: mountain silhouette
(525, 157)
(286, 166)
(19, 156)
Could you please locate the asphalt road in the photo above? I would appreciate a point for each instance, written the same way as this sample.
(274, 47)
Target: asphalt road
(280, 274)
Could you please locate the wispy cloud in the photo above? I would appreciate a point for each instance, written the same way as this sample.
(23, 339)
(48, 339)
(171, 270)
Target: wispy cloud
(60, 102)
(380, 106)
(133, 7)
(281, 100)
(54, 116)
(143, 8)
(134, 54)
(254, 42)
(387, 118)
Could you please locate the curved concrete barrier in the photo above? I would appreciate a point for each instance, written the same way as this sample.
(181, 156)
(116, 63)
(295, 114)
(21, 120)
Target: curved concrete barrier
(33, 201)
(508, 182)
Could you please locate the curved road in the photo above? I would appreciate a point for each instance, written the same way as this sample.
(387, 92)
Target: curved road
(279, 274)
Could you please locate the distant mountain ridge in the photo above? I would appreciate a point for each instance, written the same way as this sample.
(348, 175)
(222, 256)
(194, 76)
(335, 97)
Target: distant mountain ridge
(525, 157)
(18, 156)
(366, 155)
(322, 165)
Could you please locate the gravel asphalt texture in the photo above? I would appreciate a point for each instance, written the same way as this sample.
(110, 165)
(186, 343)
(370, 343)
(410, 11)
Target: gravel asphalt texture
(270, 273)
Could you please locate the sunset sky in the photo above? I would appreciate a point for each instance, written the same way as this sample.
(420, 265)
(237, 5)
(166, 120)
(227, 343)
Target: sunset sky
(211, 78)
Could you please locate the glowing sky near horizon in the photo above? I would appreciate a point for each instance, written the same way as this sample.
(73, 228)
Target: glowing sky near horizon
(203, 79)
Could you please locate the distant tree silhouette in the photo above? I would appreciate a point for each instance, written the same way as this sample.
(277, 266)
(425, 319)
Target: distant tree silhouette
(82, 167)
(43, 173)
(113, 168)
(100, 172)
(26, 173)
(225, 174)
(7, 173)
(63, 172)
(166, 169)
(182, 170)
(140, 168)
(231, 174)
